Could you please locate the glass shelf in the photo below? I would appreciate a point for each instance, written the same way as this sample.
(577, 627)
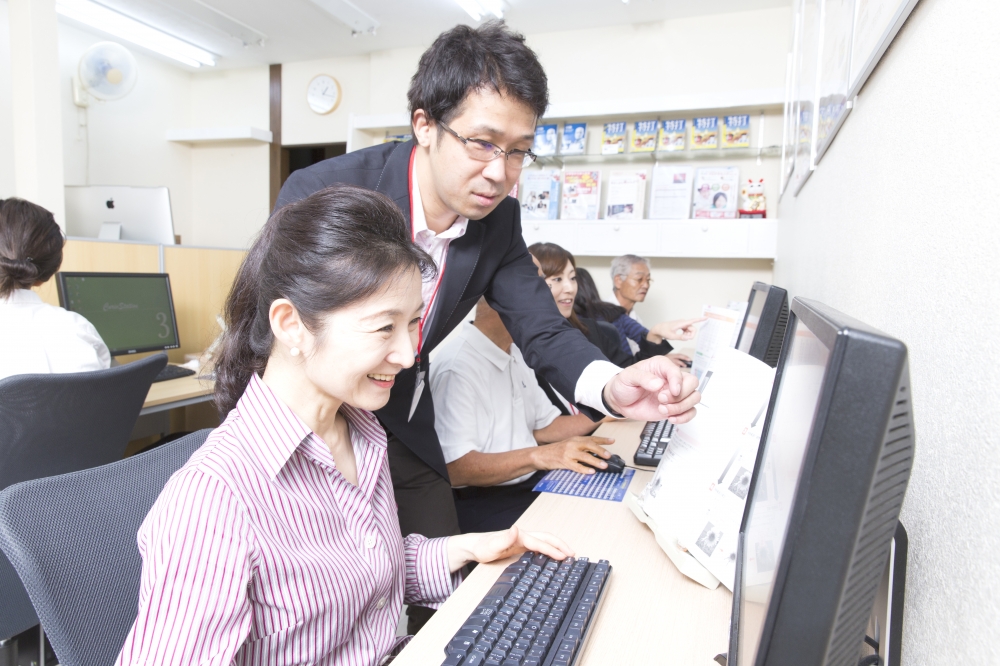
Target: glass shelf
(675, 156)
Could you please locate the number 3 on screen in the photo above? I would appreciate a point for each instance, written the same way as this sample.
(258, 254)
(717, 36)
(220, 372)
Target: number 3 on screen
(162, 319)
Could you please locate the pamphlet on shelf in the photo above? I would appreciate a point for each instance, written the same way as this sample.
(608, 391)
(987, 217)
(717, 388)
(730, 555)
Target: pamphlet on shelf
(705, 133)
(581, 195)
(397, 138)
(673, 134)
(626, 194)
(545, 140)
(644, 136)
(574, 139)
(670, 193)
(736, 131)
(540, 194)
(716, 191)
(720, 331)
(613, 139)
(700, 487)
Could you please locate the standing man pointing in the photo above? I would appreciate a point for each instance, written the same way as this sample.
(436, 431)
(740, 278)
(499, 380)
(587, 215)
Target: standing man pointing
(474, 103)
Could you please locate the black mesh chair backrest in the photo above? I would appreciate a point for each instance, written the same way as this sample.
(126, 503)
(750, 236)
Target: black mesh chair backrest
(58, 423)
(72, 539)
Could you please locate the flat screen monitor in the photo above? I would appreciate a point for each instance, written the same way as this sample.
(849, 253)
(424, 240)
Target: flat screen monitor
(143, 212)
(823, 505)
(133, 312)
(764, 323)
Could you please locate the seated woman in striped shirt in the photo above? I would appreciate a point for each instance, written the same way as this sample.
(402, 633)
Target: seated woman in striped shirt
(278, 542)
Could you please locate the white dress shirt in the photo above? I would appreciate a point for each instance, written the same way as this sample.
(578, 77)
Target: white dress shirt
(590, 385)
(485, 399)
(36, 337)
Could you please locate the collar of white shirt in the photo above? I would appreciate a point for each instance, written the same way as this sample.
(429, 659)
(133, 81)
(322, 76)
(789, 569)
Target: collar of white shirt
(486, 347)
(419, 220)
(22, 297)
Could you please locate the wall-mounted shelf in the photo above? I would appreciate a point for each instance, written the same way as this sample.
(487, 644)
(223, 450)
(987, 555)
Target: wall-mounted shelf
(719, 239)
(661, 156)
(210, 135)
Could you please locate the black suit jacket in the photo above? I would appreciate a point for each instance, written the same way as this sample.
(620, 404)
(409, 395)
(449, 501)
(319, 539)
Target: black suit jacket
(491, 259)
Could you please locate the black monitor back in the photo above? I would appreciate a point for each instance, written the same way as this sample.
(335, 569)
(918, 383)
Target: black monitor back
(847, 501)
(771, 323)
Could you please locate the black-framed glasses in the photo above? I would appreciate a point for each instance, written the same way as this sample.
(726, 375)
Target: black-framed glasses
(484, 151)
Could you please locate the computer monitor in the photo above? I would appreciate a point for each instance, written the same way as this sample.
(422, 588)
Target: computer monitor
(143, 213)
(764, 323)
(823, 505)
(133, 312)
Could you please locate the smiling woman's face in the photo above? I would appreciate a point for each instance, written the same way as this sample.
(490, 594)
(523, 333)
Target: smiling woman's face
(563, 287)
(365, 345)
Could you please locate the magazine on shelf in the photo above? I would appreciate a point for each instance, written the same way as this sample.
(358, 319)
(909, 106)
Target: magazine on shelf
(705, 133)
(673, 134)
(540, 194)
(716, 193)
(397, 138)
(670, 192)
(545, 140)
(644, 136)
(574, 139)
(581, 195)
(736, 131)
(613, 139)
(626, 195)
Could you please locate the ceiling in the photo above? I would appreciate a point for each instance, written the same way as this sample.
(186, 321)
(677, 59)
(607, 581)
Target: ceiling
(297, 30)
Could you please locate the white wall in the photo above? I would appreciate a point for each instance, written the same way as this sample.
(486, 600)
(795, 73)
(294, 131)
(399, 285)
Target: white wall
(6, 109)
(900, 229)
(300, 124)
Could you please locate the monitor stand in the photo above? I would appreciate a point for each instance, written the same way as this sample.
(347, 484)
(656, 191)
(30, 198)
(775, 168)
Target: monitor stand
(110, 231)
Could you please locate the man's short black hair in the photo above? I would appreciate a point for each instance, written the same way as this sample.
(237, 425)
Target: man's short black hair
(464, 59)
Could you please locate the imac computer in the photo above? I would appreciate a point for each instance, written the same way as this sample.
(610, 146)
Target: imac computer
(824, 502)
(133, 312)
(764, 323)
(119, 212)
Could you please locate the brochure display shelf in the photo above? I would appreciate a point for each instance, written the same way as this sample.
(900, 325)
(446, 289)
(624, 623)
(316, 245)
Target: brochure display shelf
(662, 156)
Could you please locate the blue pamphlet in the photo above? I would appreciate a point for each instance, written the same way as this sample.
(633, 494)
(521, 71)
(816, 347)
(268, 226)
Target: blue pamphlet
(600, 485)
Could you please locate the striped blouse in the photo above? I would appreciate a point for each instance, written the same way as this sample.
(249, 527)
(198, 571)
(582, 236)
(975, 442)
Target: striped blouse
(258, 551)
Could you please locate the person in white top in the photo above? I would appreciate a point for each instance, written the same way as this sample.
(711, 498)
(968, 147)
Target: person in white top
(36, 337)
(491, 416)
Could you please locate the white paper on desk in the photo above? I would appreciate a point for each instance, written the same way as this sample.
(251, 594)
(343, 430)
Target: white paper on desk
(686, 498)
(720, 331)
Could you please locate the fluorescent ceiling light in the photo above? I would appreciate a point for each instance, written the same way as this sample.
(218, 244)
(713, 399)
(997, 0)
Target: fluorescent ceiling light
(109, 21)
(477, 9)
(347, 13)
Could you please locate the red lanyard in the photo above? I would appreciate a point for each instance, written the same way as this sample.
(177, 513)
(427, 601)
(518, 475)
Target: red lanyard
(444, 261)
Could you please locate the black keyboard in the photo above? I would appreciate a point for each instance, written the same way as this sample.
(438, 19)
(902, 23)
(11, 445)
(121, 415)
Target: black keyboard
(537, 614)
(172, 372)
(653, 442)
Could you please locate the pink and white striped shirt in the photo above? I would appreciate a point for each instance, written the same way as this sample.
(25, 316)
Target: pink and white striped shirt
(258, 551)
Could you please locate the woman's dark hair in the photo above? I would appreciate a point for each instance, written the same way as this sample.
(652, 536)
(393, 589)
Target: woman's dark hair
(588, 301)
(553, 259)
(330, 250)
(464, 59)
(31, 245)
(715, 199)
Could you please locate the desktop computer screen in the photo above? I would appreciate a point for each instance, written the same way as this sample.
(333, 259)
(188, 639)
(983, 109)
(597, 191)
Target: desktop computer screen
(133, 312)
(824, 502)
(764, 323)
(132, 213)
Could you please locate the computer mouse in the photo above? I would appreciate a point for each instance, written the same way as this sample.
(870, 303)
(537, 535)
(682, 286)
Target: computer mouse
(615, 464)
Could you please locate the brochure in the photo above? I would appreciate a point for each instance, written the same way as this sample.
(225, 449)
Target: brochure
(574, 139)
(540, 194)
(545, 140)
(670, 193)
(705, 133)
(613, 139)
(644, 136)
(736, 131)
(581, 196)
(626, 195)
(672, 135)
(720, 331)
(716, 193)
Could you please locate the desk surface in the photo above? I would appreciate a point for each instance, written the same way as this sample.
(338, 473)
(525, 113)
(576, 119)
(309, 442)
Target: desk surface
(184, 390)
(652, 613)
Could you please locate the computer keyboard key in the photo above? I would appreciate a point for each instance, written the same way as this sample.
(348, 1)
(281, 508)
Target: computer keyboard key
(503, 644)
(531, 661)
(490, 636)
(460, 645)
(510, 578)
(453, 660)
(536, 651)
(483, 646)
(499, 591)
(589, 598)
(573, 633)
(474, 659)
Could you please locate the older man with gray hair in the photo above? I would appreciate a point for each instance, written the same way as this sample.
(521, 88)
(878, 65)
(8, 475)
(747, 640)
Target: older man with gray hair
(631, 277)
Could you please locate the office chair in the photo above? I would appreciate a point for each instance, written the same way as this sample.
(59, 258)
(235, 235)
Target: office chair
(72, 538)
(59, 423)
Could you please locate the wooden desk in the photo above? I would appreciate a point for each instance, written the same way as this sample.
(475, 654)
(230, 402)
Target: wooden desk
(177, 393)
(652, 614)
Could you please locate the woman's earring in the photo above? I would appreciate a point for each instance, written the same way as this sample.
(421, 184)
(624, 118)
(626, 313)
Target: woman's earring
(294, 351)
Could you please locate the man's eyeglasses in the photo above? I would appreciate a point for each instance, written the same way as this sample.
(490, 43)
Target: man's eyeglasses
(484, 151)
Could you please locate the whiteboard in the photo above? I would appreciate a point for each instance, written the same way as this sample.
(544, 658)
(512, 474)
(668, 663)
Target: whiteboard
(876, 23)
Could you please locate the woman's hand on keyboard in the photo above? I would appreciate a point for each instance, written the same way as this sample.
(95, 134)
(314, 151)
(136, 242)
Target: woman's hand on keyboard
(490, 546)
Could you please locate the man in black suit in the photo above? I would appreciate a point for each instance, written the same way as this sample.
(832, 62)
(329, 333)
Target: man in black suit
(474, 103)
